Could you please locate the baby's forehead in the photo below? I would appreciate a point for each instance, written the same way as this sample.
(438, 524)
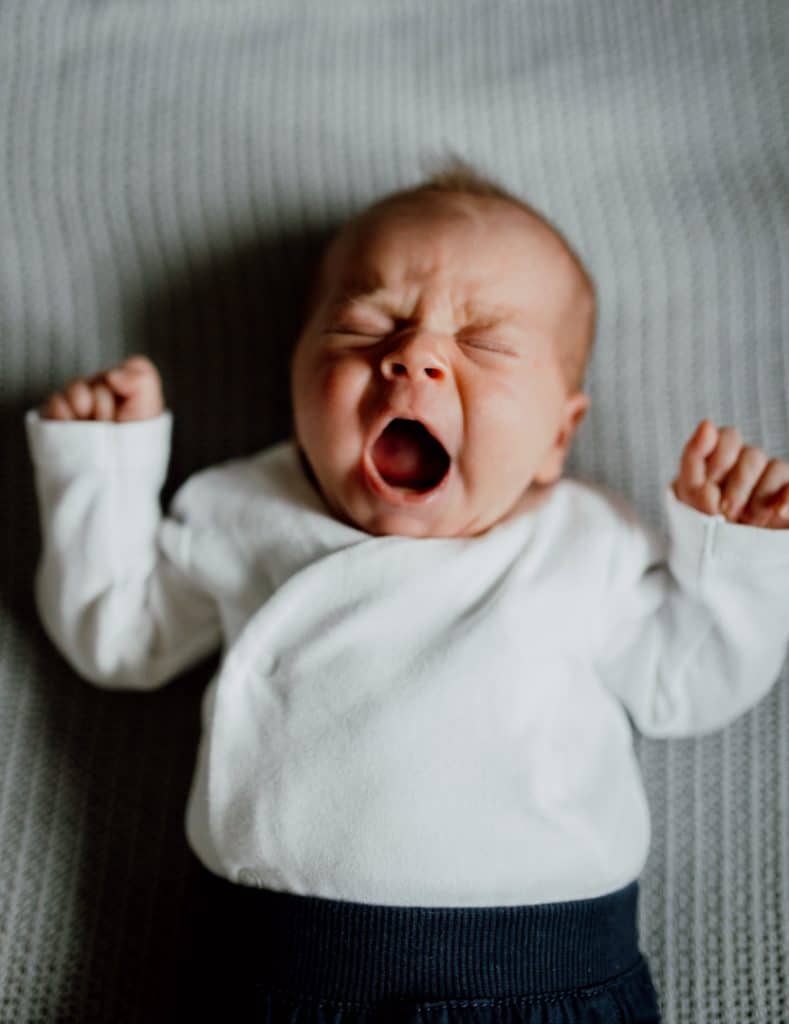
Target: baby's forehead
(432, 210)
(430, 225)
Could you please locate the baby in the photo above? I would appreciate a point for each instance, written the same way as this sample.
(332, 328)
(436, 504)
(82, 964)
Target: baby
(416, 789)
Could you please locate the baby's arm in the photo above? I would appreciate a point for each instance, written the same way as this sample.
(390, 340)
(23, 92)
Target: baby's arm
(695, 630)
(114, 585)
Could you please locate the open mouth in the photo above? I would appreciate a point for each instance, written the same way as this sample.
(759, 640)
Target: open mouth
(407, 458)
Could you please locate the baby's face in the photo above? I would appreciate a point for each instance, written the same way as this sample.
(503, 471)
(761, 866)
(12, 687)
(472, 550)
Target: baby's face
(445, 309)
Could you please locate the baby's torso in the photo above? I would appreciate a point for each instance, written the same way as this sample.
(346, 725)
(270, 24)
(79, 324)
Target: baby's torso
(390, 691)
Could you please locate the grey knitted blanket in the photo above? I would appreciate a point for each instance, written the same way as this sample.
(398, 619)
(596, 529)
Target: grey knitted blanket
(167, 174)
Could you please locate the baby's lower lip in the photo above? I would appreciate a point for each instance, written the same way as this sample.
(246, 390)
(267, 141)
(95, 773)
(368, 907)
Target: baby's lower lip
(402, 495)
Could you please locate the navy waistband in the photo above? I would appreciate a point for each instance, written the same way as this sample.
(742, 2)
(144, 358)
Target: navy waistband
(338, 949)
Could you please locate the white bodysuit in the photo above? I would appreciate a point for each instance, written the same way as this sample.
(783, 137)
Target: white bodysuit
(421, 721)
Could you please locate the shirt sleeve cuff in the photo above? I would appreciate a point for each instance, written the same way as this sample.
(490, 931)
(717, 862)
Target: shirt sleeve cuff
(73, 444)
(714, 537)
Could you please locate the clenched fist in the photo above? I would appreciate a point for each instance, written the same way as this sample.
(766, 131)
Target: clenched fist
(131, 391)
(720, 474)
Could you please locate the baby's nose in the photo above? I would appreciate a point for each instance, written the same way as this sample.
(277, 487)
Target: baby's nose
(414, 356)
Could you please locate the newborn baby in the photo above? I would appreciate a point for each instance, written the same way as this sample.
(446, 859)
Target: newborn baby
(432, 637)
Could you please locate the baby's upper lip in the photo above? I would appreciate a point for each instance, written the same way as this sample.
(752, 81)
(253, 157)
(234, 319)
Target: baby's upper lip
(390, 413)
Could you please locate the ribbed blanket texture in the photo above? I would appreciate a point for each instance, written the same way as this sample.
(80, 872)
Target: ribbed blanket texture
(168, 173)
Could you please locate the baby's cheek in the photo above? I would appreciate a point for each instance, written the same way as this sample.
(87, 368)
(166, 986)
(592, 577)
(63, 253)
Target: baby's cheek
(334, 381)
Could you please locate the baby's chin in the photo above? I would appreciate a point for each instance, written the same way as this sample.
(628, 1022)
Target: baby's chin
(375, 516)
(379, 518)
(449, 521)
(454, 520)
(397, 525)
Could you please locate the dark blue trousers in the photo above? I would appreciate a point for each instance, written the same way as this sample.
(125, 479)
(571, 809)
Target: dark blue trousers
(267, 956)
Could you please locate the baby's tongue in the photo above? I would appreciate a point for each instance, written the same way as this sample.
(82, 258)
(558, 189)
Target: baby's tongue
(406, 456)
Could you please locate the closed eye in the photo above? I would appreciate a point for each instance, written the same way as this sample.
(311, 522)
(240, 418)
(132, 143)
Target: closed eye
(479, 344)
(475, 343)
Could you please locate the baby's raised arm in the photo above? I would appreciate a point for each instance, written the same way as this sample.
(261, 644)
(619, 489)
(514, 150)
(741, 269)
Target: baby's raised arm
(115, 584)
(696, 630)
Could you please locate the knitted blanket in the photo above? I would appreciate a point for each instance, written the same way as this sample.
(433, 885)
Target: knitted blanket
(168, 174)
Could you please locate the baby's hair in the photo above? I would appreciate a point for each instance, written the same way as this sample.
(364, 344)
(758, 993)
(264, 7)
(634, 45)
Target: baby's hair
(454, 175)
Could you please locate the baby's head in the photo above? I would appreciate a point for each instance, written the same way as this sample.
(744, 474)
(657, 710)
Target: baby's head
(455, 304)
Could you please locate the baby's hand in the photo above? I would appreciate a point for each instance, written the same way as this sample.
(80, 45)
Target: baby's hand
(718, 474)
(131, 391)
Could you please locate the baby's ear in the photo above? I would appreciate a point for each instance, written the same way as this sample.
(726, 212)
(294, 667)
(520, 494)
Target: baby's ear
(576, 406)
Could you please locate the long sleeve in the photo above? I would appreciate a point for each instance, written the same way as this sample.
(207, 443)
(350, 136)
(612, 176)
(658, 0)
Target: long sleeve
(114, 585)
(694, 628)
